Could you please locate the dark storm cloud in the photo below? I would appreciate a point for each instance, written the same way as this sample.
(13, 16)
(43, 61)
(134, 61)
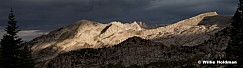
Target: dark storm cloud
(51, 14)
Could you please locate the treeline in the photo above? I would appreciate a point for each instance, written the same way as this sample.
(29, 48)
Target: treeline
(138, 50)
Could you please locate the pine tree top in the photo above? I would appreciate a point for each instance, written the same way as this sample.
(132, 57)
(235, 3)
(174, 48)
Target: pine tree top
(12, 28)
(11, 15)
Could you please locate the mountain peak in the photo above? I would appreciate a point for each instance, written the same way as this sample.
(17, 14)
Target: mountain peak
(116, 23)
(90, 34)
(86, 23)
(196, 19)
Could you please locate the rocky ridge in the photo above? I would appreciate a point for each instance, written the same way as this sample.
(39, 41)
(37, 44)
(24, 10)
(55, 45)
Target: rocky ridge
(88, 34)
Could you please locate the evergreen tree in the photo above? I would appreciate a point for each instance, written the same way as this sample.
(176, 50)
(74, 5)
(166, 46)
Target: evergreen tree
(25, 56)
(13, 54)
(234, 51)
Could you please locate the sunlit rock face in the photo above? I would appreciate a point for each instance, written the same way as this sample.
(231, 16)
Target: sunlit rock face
(84, 34)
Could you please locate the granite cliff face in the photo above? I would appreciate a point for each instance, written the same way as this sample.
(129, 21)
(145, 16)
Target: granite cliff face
(92, 45)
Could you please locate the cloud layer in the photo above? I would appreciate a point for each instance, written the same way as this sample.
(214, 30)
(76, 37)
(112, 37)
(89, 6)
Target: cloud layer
(51, 14)
(32, 13)
(26, 35)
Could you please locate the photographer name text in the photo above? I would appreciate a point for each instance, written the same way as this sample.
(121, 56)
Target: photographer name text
(216, 62)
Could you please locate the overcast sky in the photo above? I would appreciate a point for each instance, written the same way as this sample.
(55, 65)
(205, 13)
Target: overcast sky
(51, 14)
